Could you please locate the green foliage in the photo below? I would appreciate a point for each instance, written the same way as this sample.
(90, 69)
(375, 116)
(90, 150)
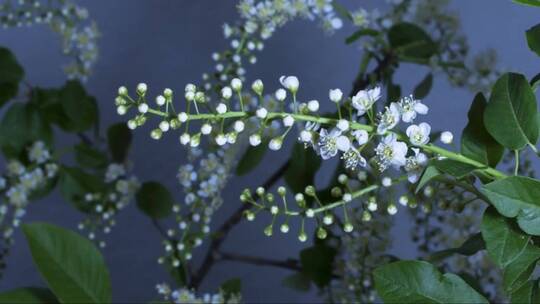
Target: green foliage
(504, 240)
(231, 287)
(533, 38)
(297, 281)
(411, 42)
(154, 200)
(453, 168)
(513, 102)
(429, 174)
(528, 293)
(251, 158)
(76, 183)
(317, 263)
(361, 33)
(424, 87)
(71, 265)
(30, 295)
(421, 282)
(119, 141)
(528, 2)
(517, 273)
(476, 142)
(304, 164)
(80, 110)
(90, 157)
(517, 197)
(471, 246)
(22, 125)
(11, 74)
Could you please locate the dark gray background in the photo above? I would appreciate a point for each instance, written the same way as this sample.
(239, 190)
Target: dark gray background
(168, 43)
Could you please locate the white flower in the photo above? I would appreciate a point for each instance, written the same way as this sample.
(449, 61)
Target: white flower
(330, 143)
(313, 105)
(361, 136)
(114, 171)
(262, 113)
(343, 125)
(364, 99)
(419, 134)
(281, 94)
(410, 107)
(182, 117)
(288, 121)
(335, 95)
(447, 137)
(239, 126)
(389, 119)
(190, 87)
(122, 91)
(226, 93)
(221, 108)
(291, 83)
(306, 136)
(386, 181)
(160, 100)
(255, 140)
(236, 84)
(38, 153)
(414, 165)
(185, 138)
(143, 108)
(206, 129)
(352, 159)
(391, 152)
(275, 144)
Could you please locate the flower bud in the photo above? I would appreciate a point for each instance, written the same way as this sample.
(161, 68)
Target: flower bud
(121, 110)
(132, 124)
(310, 213)
(255, 140)
(275, 144)
(302, 237)
(343, 125)
(226, 93)
(284, 228)
(167, 93)
(190, 95)
(313, 105)
(156, 134)
(190, 88)
(306, 136)
(335, 95)
(288, 121)
(200, 97)
(343, 178)
(386, 181)
(321, 233)
(221, 139)
(281, 94)
(236, 84)
(447, 137)
(122, 91)
(310, 190)
(336, 192)
(392, 209)
(258, 87)
(164, 126)
(141, 88)
(347, 197)
(143, 108)
(239, 126)
(206, 129)
(262, 113)
(185, 138)
(268, 230)
(291, 83)
(274, 210)
(221, 108)
(182, 117)
(328, 219)
(160, 100)
(348, 227)
(282, 191)
(260, 191)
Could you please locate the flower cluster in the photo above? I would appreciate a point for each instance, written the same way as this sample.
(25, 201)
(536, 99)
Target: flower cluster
(21, 183)
(186, 296)
(102, 207)
(71, 22)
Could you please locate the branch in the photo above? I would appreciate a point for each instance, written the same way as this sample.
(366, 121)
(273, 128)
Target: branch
(290, 264)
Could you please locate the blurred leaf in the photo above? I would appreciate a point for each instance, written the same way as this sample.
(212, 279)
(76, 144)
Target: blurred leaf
(341, 10)
(471, 246)
(421, 282)
(297, 281)
(527, 294)
(119, 140)
(361, 33)
(517, 197)
(72, 266)
(80, 109)
(251, 158)
(231, 288)
(429, 173)
(304, 164)
(453, 168)
(535, 82)
(318, 263)
(154, 200)
(21, 126)
(11, 74)
(75, 184)
(528, 2)
(513, 102)
(504, 241)
(517, 273)
(411, 41)
(27, 295)
(424, 87)
(90, 157)
(533, 38)
(476, 142)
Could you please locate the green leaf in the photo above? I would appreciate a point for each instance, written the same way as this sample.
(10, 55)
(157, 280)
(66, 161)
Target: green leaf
(21, 126)
(80, 109)
(453, 168)
(361, 33)
(527, 294)
(119, 141)
(528, 2)
(424, 87)
(75, 184)
(90, 157)
(421, 282)
(517, 196)
(411, 41)
(304, 164)
(27, 295)
(535, 82)
(11, 74)
(154, 200)
(393, 91)
(317, 263)
(533, 38)
(430, 173)
(471, 246)
(513, 102)
(231, 288)
(504, 241)
(297, 281)
(70, 264)
(517, 273)
(476, 142)
(341, 10)
(251, 158)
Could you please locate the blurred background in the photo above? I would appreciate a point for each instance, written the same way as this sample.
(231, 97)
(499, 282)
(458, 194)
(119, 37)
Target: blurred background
(168, 43)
